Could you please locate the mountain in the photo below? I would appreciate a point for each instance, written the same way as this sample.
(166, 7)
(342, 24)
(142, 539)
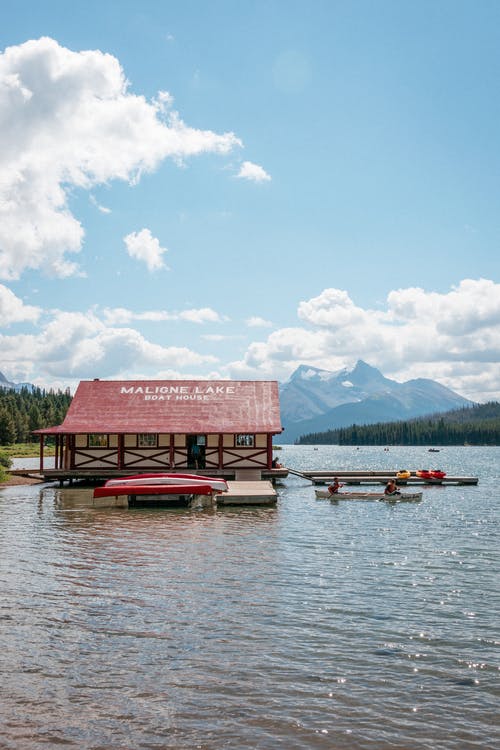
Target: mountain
(7, 384)
(315, 400)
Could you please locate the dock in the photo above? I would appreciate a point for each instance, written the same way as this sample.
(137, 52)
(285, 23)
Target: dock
(98, 475)
(240, 493)
(248, 493)
(380, 477)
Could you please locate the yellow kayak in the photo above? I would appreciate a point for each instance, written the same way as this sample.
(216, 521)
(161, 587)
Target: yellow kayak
(403, 474)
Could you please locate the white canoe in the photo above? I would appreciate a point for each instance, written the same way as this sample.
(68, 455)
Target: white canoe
(219, 485)
(397, 498)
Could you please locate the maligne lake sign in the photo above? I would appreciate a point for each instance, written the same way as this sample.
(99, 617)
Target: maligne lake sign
(178, 392)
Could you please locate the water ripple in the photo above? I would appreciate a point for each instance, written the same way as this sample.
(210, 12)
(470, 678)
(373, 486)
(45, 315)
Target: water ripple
(304, 626)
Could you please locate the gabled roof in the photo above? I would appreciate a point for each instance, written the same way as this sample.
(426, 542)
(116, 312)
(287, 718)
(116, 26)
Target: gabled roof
(182, 406)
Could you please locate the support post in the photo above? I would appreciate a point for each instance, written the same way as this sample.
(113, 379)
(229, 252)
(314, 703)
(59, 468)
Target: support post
(269, 451)
(121, 441)
(171, 457)
(221, 451)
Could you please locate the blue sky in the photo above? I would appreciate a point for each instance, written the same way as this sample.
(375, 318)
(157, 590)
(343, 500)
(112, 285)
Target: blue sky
(194, 189)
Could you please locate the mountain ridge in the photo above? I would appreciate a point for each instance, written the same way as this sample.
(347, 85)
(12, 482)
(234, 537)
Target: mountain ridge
(4, 383)
(316, 400)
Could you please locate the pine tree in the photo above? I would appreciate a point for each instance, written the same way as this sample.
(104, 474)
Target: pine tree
(7, 427)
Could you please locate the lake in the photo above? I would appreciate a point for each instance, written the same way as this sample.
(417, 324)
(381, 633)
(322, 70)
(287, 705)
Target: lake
(306, 625)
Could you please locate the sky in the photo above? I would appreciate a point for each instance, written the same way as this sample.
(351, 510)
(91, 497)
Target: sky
(219, 190)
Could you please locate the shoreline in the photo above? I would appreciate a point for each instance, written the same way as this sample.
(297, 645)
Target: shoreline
(13, 481)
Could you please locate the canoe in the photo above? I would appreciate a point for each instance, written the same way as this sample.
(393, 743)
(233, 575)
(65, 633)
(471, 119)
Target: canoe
(152, 489)
(219, 485)
(397, 498)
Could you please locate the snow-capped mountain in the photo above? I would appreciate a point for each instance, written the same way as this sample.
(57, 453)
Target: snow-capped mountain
(315, 400)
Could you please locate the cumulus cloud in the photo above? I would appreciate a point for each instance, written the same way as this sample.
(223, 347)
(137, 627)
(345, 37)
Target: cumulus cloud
(80, 345)
(13, 309)
(122, 316)
(253, 172)
(452, 337)
(144, 247)
(69, 120)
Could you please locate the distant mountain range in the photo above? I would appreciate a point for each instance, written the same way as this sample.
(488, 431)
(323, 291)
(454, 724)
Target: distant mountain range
(4, 383)
(315, 400)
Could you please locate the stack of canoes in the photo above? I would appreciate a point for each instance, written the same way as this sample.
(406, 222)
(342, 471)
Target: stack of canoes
(161, 484)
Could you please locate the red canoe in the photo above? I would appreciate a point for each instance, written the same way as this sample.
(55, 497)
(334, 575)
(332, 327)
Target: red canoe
(152, 489)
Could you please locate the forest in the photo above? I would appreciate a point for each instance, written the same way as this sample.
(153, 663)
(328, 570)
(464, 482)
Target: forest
(475, 425)
(26, 410)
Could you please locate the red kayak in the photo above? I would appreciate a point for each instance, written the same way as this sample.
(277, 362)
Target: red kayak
(432, 474)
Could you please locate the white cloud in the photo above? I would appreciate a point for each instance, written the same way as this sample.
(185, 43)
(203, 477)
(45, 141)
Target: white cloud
(68, 119)
(452, 337)
(220, 337)
(79, 345)
(122, 316)
(253, 172)
(333, 308)
(13, 309)
(146, 248)
(201, 315)
(102, 209)
(256, 322)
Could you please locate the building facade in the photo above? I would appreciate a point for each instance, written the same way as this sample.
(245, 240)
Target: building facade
(139, 426)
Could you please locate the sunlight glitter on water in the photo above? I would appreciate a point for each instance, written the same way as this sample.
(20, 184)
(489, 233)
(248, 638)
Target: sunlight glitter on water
(308, 625)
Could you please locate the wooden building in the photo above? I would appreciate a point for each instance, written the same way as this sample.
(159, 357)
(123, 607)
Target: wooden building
(124, 427)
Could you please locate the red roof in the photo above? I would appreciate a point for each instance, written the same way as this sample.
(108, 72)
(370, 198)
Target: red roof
(182, 406)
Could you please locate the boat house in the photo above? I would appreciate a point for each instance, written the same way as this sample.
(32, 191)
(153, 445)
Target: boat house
(114, 428)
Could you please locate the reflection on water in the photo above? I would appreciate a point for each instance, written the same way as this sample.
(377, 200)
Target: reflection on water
(306, 625)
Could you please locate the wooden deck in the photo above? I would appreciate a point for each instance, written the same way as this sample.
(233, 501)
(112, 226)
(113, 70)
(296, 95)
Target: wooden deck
(95, 476)
(248, 493)
(380, 477)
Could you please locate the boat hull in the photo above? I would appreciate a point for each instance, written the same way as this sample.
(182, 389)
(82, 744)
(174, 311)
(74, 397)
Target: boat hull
(152, 489)
(218, 485)
(398, 498)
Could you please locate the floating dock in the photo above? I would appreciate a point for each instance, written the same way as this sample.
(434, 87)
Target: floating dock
(248, 493)
(378, 477)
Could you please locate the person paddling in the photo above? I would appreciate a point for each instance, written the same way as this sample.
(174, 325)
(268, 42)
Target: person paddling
(391, 488)
(334, 488)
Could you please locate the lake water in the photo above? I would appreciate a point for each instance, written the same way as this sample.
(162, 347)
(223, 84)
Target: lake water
(306, 625)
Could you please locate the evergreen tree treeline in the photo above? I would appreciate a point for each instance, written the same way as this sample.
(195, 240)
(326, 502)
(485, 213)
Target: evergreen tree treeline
(476, 425)
(26, 410)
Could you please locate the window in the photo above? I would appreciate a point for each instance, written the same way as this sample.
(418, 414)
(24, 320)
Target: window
(147, 440)
(245, 441)
(97, 440)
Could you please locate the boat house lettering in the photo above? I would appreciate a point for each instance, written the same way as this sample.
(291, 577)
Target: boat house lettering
(178, 390)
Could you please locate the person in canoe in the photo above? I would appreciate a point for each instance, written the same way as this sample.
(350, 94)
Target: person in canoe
(335, 486)
(391, 488)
